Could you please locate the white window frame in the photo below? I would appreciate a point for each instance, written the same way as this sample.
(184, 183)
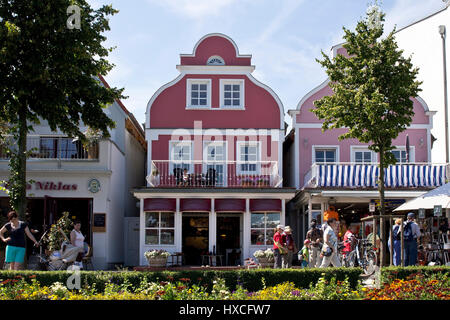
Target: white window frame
(222, 143)
(189, 83)
(172, 145)
(412, 153)
(354, 149)
(325, 147)
(239, 144)
(159, 228)
(241, 83)
(265, 227)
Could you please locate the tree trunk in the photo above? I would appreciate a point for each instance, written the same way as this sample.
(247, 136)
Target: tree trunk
(382, 207)
(21, 187)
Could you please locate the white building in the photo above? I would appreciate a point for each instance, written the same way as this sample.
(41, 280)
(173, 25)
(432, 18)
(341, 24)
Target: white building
(423, 42)
(93, 186)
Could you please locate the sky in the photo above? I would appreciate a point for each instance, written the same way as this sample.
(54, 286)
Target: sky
(284, 37)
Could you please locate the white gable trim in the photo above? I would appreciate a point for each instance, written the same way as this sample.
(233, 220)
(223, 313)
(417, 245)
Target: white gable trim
(216, 35)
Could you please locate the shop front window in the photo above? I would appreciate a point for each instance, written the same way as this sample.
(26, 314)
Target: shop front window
(263, 227)
(159, 228)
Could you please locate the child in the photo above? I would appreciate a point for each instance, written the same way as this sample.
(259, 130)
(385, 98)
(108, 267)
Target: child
(303, 254)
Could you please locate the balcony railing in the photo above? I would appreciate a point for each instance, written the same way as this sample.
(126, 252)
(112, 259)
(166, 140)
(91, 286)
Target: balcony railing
(56, 148)
(359, 175)
(256, 174)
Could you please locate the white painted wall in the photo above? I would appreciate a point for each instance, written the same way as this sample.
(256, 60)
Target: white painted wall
(423, 41)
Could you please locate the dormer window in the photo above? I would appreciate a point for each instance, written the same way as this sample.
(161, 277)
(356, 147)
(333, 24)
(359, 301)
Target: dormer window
(215, 61)
(198, 93)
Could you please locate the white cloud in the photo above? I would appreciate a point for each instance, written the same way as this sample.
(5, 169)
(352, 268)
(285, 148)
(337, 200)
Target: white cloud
(195, 9)
(405, 12)
(279, 20)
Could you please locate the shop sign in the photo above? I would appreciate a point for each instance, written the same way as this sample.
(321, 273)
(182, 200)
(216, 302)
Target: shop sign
(437, 211)
(94, 185)
(390, 203)
(52, 186)
(372, 207)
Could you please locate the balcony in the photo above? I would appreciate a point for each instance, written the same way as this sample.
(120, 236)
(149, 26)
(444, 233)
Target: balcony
(358, 175)
(56, 148)
(202, 174)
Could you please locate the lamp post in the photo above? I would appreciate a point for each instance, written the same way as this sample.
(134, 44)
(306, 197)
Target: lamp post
(442, 33)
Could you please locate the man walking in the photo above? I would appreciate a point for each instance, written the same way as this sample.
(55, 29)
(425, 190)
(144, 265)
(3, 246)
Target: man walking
(411, 232)
(315, 235)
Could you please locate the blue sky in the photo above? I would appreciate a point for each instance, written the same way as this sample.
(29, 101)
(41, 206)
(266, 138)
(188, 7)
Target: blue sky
(284, 38)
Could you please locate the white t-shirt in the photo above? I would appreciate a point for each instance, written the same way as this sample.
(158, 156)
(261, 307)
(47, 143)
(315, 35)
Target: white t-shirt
(329, 232)
(79, 239)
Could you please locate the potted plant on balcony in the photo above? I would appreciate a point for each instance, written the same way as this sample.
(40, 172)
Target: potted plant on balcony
(157, 258)
(93, 136)
(265, 258)
(262, 182)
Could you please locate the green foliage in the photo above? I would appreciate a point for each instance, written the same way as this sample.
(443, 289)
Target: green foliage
(51, 72)
(388, 274)
(234, 279)
(55, 236)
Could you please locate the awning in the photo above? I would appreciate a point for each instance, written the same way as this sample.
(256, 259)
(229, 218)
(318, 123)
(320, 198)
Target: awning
(160, 204)
(265, 205)
(229, 205)
(195, 205)
(351, 175)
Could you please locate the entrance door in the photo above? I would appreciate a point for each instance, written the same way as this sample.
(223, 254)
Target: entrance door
(132, 241)
(195, 233)
(229, 238)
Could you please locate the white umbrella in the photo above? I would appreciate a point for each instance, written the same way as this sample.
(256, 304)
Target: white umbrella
(438, 196)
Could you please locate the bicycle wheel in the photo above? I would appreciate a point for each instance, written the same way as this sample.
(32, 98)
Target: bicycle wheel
(370, 262)
(351, 260)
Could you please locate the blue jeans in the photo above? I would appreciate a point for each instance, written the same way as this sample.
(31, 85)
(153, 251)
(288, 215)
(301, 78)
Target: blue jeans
(278, 259)
(410, 253)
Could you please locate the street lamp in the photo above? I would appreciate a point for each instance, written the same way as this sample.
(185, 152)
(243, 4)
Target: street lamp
(442, 33)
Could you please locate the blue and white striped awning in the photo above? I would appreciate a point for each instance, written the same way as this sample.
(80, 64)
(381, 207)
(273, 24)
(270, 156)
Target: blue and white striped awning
(361, 175)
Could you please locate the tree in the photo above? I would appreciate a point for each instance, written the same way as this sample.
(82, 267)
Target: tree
(372, 87)
(51, 54)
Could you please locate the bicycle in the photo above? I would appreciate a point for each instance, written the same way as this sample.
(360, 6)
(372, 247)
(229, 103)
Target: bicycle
(364, 255)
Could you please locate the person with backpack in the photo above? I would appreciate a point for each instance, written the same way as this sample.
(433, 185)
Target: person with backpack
(411, 232)
(397, 248)
(315, 236)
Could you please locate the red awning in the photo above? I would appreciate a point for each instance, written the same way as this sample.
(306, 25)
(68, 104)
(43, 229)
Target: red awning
(229, 205)
(160, 204)
(195, 205)
(265, 205)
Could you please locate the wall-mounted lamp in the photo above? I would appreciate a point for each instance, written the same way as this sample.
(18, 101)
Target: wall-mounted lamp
(421, 142)
(305, 142)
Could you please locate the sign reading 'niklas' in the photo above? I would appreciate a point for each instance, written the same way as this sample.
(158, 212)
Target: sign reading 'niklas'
(55, 186)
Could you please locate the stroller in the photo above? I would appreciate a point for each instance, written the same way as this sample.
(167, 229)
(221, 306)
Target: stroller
(61, 259)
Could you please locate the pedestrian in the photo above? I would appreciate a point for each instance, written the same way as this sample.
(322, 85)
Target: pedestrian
(396, 235)
(16, 244)
(315, 236)
(291, 248)
(349, 239)
(330, 242)
(411, 232)
(278, 246)
(303, 254)
(34, 231)
(77, 240)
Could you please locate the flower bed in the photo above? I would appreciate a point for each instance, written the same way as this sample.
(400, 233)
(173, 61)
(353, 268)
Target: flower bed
(417, 287)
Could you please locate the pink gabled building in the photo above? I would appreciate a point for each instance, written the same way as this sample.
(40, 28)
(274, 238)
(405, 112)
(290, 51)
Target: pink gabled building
(326, 171)
(214, 167)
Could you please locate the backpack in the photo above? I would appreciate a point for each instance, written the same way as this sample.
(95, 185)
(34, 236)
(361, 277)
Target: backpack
(397, 234)
(407, 232)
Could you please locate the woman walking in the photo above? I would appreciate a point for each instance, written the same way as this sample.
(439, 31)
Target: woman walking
(16, 243)
(329, 249)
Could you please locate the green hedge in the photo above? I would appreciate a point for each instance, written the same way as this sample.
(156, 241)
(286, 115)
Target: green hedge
(390, 273)
(249, 279)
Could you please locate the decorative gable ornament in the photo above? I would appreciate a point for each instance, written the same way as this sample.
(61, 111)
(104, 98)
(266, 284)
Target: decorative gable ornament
(215, 61)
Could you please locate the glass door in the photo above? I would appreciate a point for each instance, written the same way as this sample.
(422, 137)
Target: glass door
(215, 168)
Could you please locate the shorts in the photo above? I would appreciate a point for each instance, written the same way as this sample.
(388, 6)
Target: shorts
(14, 254)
